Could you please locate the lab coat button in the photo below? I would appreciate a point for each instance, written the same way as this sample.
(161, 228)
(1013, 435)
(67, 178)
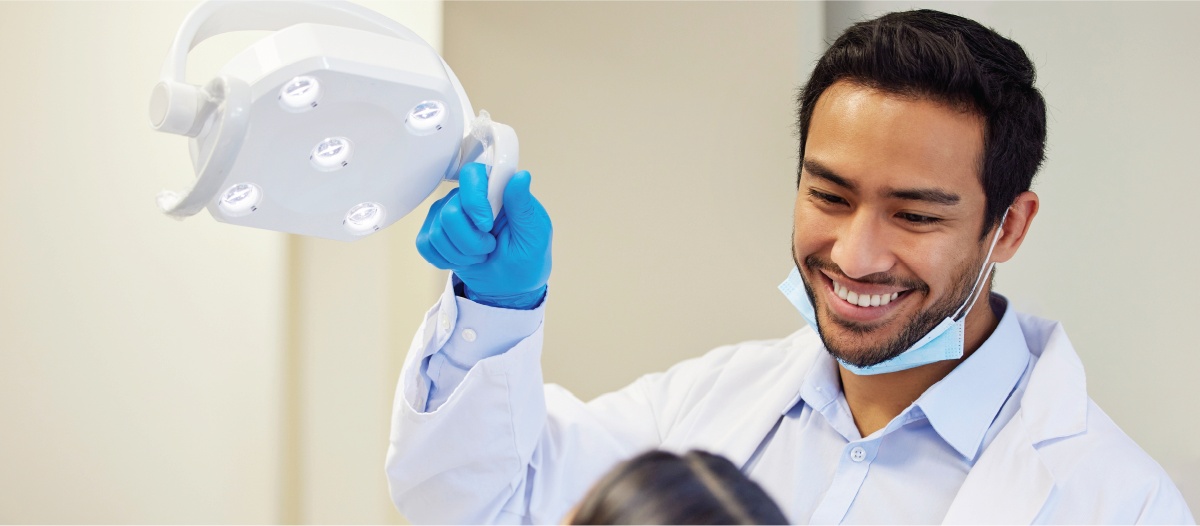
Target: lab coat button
(445, 322)
(468, 335)
(858, 454)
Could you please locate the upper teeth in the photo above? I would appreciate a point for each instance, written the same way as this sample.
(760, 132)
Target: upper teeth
(863, 300)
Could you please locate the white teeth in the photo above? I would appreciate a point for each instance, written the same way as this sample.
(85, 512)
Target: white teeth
(863, 300)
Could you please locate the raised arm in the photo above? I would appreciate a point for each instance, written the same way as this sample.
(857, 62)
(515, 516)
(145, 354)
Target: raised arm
(476, 437)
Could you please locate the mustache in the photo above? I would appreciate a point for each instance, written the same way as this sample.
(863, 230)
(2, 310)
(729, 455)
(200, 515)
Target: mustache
(816, 263)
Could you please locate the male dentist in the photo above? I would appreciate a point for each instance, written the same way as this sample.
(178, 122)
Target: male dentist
(920, 397)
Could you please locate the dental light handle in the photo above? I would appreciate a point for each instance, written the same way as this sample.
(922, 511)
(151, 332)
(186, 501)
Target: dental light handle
(494, 145)
(174, 102)
(227, 101)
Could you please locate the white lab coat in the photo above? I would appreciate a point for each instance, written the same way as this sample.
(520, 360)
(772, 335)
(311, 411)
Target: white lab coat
(506, 449)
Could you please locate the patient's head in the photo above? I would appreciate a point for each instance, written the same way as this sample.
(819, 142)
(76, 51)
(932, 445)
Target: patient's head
(663, 488)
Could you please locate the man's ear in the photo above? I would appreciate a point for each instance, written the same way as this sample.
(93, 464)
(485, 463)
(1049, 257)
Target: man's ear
(1020, 216)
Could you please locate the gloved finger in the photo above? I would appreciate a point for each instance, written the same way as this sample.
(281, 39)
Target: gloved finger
(462, 232)
(441, 242)
(424, 245)
(473, 181)
(522, 209)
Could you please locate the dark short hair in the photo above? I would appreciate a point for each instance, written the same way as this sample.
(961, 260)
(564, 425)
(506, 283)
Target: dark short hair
(658, 487)
(954, 60)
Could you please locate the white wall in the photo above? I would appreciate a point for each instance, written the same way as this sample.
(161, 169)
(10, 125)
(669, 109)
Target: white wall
(176, 372)
(1117, 240)
(139, 376)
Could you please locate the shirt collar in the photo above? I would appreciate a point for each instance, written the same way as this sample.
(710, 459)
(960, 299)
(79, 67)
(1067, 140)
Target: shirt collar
(960, 407)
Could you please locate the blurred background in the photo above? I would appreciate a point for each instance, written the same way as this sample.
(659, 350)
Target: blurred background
(156, 371)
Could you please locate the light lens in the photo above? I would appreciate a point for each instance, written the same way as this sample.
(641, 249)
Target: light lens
(240, 199)
(300, 94)
(331, 154)
(364, 218)
(426, 118)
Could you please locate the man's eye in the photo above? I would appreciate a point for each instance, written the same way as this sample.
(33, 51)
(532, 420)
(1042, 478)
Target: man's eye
(918, 219)
(828, 198)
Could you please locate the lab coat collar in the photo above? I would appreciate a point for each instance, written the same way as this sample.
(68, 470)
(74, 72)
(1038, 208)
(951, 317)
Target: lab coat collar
(1010, 483)
(1055, 403)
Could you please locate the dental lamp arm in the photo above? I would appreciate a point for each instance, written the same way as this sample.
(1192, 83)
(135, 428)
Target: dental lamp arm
(227, 101)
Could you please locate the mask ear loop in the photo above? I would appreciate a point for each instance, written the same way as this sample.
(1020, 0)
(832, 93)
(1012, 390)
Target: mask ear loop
(988, 268)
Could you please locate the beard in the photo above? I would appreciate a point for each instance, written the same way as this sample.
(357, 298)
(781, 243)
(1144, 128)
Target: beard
(916, 328)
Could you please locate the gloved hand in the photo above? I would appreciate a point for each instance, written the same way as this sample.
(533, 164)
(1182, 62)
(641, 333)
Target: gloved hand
(502, 263)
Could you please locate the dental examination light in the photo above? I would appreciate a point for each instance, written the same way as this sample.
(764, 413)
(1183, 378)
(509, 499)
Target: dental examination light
(336, 125)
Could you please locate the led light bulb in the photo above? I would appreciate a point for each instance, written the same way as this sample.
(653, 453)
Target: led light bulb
(240, 199)
(331, 154)
(364, 218)
(300, 94)
(426, 118)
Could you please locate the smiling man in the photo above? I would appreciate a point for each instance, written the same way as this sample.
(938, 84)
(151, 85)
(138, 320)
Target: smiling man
(915, 395)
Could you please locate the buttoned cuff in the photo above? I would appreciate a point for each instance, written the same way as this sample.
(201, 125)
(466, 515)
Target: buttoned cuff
(466, 333)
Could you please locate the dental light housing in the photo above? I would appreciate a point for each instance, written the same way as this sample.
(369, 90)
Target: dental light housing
(336, 125)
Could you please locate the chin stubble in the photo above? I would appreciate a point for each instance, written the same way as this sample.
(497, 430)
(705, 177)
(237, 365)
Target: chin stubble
(916, 328)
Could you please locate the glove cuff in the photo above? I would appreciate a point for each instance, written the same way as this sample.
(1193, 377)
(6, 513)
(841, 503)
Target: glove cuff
(521, 301)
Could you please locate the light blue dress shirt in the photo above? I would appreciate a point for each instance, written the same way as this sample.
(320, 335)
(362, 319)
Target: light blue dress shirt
(819, 469)
(480, 332)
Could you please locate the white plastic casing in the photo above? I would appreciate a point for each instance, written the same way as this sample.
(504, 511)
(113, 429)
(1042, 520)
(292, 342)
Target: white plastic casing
(390, 112)
(173, 107)
(368, 85)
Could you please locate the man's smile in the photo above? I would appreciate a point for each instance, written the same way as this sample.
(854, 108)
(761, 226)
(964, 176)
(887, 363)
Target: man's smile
(861, 302)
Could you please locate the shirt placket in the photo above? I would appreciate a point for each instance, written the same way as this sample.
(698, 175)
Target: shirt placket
(852, 470)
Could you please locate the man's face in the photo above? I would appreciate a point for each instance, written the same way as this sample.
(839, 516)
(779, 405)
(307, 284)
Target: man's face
(889, 208)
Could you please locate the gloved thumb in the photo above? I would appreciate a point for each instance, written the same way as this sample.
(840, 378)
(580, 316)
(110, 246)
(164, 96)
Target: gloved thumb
(519, 205)
(473, 187)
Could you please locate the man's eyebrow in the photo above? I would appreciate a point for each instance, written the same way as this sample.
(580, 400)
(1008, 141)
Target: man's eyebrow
(930, 195)
(821, 171)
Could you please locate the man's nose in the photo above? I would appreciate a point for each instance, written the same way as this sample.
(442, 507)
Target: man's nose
(862, 247)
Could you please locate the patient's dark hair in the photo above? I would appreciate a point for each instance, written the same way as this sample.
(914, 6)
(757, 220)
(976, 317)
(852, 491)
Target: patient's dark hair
(663, 488)
(954, 60)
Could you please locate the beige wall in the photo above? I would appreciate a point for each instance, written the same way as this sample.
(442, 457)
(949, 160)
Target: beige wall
(659, 136)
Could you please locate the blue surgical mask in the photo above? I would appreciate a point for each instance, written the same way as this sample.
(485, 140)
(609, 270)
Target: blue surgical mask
(944, 342)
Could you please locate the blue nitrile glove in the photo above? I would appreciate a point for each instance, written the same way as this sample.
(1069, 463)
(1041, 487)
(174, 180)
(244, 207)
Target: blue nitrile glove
(502, 263)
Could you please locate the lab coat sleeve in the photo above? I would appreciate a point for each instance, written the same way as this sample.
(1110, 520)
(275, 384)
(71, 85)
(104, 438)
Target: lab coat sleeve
(1165, 505)
(503, 448)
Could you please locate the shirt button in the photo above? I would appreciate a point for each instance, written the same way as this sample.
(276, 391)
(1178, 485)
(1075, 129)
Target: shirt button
(858, 454)
(445, 322)
(468, 335)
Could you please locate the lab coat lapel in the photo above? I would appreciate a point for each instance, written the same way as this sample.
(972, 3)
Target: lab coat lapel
(746, 401)
(1009, 484)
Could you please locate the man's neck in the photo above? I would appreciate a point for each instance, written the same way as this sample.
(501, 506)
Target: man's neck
(875, 400)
